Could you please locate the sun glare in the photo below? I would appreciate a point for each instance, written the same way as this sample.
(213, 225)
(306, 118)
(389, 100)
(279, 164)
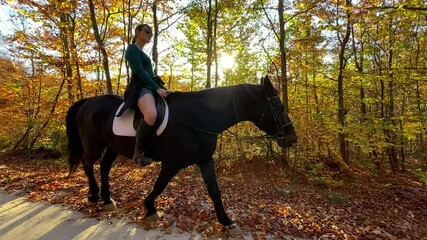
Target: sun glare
(226, 61)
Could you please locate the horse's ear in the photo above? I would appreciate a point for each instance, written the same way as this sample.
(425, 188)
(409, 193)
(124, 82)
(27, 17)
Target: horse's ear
(266, 82)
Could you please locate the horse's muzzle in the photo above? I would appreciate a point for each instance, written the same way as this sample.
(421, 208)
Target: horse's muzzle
(287, 140)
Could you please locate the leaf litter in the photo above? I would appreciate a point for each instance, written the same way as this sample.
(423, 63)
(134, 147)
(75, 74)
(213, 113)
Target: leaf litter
(265, 204)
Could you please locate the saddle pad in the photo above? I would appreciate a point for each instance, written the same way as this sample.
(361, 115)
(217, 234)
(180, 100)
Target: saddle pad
(123, 125)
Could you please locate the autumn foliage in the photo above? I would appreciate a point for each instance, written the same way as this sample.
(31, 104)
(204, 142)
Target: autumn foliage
(352, 75)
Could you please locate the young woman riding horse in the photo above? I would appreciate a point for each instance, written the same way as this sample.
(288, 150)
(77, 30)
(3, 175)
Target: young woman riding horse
(140, 90)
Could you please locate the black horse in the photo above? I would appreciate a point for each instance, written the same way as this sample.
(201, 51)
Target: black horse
(190, 137)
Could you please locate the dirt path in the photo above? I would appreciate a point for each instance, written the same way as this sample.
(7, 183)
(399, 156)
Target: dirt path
(20, 219)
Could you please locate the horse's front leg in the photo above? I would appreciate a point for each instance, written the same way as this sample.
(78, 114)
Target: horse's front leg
(166, 174)
(209, 177)
(106, 163)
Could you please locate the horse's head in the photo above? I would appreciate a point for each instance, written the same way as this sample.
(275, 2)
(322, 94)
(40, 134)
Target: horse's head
(274, 119)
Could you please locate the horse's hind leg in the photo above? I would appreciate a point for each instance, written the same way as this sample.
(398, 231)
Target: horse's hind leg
(90, 156)
(166, 174)
(106, 163)
(209, 177)
(92, 195)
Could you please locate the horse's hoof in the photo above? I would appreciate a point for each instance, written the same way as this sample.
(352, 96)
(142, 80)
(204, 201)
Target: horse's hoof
(153, 218)
(90, 203)
(234, 230)
(110, 206)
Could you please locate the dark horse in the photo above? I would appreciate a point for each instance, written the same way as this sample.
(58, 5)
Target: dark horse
(190, 136)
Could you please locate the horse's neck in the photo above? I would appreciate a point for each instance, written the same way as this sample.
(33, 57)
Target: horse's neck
(249, 105)
(215, 110)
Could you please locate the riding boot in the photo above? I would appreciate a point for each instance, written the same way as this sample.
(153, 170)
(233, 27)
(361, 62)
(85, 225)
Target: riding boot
(142, 133)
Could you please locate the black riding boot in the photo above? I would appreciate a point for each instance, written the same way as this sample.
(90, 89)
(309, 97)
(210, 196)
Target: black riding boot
(142, 132)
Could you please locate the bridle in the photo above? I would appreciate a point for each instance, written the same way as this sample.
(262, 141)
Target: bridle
(277, 120)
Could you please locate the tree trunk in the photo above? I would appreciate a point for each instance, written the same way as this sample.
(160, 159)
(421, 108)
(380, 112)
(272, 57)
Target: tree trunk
(341, 108)
(192, 73)
(64, 19)
(215, 50)
(401, 137)
(155, 53)
(359, 62)
(283, 74)
(209, 41)
(76, 58)
(391, 134)
(283, 59)
(101, 46)
(422, 136)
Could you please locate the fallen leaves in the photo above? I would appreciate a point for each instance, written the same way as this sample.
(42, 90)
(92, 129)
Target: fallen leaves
(257, 198)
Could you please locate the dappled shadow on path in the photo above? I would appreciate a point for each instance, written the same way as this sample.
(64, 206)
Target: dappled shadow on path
(20, 219)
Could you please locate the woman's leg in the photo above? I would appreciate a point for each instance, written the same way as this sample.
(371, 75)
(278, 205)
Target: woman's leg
(146, 105)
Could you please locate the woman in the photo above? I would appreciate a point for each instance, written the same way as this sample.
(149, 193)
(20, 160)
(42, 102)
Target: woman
(140, 90)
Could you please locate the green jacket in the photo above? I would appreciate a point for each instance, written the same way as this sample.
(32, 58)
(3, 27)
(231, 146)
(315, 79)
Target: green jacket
(140, 64)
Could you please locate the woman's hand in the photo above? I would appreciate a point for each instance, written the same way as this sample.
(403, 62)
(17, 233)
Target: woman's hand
(163, 93)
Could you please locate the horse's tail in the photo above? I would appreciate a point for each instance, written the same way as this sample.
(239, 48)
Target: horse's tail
(75, 147)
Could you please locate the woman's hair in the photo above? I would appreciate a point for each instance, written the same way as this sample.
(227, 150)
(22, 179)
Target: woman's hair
(138, 29)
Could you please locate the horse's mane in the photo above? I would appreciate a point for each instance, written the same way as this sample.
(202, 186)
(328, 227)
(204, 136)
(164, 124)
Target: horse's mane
(210, 93)
(113, 96)
(200, 108)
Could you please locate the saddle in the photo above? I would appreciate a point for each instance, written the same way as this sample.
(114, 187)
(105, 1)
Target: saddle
(127, 122)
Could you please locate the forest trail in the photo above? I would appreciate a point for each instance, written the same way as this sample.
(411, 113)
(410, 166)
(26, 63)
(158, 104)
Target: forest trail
(21, 219)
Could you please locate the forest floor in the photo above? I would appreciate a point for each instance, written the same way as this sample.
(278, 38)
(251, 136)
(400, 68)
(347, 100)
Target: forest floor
(264, 200)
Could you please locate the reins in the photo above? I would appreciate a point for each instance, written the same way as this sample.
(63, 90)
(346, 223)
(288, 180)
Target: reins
(188, 125)
(279, 135)
(247, 136)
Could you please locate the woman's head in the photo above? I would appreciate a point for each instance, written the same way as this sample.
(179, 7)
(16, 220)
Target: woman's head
(142, 32)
